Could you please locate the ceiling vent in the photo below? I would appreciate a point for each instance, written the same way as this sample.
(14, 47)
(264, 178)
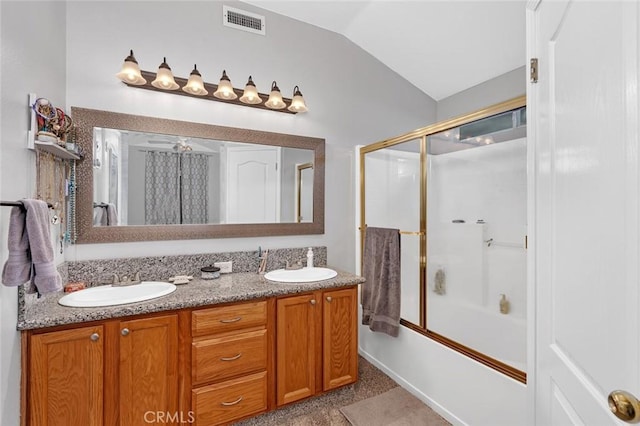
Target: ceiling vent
(243, 20)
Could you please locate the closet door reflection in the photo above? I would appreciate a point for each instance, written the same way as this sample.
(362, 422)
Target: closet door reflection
(476, 256)
(392, 200)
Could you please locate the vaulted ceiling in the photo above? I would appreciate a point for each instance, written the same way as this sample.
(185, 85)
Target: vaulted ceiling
(442, 47)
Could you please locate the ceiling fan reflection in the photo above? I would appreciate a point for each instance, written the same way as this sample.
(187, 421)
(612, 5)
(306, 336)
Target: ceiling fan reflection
(180, 146)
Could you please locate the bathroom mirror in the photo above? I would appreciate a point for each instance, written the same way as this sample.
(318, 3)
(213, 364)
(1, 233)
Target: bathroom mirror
(145, 178)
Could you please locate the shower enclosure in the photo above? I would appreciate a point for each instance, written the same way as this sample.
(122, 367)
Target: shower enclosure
(456, 191)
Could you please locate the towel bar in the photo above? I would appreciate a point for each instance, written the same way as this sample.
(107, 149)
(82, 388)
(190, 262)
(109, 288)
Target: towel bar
(18, 204)
(401, 232)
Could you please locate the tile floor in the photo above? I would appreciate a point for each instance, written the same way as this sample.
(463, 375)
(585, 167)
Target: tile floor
(323, 410)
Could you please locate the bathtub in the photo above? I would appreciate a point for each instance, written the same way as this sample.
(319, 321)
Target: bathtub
(484, 329)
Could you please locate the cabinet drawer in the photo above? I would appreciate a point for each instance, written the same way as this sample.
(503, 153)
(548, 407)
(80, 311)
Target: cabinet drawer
(228, 356)
(230, 400)
(226, 318)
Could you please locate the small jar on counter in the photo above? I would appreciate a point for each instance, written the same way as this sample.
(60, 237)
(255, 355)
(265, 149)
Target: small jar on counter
(210, 272)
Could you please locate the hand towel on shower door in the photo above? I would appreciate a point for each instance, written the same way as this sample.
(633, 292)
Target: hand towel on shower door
(381, 291)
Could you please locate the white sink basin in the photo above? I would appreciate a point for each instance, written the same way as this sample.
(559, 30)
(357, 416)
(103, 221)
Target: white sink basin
(304, 275)
(107, 295)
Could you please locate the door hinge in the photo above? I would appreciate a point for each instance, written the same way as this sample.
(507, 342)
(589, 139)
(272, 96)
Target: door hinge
(534, 70)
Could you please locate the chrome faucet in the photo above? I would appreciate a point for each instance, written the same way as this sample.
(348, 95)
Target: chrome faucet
(124, 281)
(292, 266)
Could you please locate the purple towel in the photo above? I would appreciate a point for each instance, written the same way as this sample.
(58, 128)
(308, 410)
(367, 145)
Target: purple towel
(30, 238)
(381, 291)
(17, 269)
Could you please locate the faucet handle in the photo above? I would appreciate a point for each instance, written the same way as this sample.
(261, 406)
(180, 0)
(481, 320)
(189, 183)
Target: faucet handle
(115, 279)
(136, 277)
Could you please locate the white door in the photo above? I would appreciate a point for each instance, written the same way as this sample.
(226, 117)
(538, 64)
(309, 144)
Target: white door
(584, 127)
(253, 185)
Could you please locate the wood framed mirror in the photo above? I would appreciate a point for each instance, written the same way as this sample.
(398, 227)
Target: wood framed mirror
(118, 171)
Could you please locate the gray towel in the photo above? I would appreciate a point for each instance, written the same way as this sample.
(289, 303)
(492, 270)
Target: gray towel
(381, 291)
(100, 216)
(17, 269)
(112, 215)
(44, 276)
(105, 214)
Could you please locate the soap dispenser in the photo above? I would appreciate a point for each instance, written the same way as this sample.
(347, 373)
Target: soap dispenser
(310, 258)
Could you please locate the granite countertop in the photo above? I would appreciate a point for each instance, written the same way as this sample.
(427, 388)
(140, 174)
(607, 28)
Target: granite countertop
(46, 312)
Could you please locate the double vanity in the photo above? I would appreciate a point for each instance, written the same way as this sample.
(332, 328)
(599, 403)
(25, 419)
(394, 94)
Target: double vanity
(209, 352)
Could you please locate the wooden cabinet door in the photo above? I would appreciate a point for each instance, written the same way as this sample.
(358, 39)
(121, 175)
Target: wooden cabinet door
(296, 319)
(340, 338)
(148, 368)
(66, 377)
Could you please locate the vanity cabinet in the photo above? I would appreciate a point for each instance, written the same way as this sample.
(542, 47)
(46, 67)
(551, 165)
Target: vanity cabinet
(297, 335)
(317, 343)
(66, 381)
(230, 357)
(206, 366)
(112, 373)
(339, 338)
(148, 368)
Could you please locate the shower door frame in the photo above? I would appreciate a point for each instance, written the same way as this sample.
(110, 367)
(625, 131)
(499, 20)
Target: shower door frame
(422, 134)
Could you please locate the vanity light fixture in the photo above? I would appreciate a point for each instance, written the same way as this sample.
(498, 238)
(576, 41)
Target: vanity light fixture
(250, 95)
(225, 89)
(164, 77)
(297, 102)
(275, 98)
(130, 72)
(164, 81)
(195, 85)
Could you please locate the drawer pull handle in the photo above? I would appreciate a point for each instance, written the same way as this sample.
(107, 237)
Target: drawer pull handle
(233, 358)
(226, 404)
(94, 337)
(227, 321)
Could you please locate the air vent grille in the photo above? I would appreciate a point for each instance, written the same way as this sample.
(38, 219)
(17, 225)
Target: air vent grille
(243, 20)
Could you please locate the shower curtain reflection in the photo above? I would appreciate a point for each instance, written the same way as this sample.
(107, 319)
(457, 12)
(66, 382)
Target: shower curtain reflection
(176, 188)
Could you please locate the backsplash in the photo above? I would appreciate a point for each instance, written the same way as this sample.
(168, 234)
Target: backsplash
(160, 268)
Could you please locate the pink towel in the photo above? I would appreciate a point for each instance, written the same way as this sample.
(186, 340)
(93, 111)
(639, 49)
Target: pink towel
(38, 258)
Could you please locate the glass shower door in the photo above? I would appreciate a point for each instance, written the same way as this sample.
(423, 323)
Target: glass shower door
(392, 200)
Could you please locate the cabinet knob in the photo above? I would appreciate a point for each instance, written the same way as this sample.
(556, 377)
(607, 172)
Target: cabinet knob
(125, 332)
(94, 337)
(329, 299)
(312, 301)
